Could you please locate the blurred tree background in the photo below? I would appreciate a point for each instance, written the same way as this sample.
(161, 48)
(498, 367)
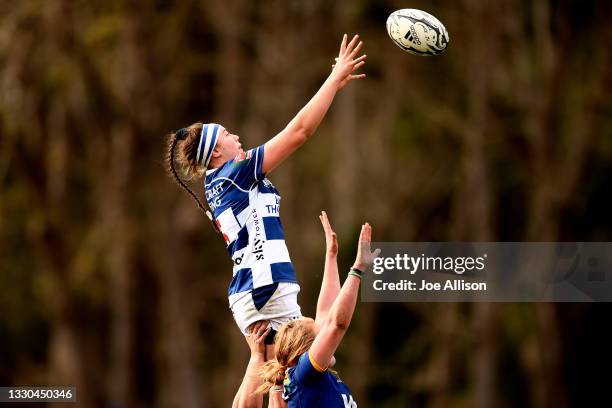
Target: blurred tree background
(111, 279)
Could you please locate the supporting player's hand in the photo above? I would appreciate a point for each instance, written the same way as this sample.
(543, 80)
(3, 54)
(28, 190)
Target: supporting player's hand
(331, 240)
(259, 332)
(365, 256)
(347, 63)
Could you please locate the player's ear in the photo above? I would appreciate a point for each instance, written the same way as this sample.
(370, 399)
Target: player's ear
(216, 152)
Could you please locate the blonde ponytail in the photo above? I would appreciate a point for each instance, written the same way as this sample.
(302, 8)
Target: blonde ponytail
(273, 374)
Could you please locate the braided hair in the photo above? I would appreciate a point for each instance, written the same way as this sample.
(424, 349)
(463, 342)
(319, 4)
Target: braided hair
(189, 137)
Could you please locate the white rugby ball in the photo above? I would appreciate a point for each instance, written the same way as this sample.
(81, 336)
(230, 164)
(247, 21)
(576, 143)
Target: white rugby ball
(417, 32)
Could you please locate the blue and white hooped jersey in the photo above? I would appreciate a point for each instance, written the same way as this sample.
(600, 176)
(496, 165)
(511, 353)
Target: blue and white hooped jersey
(307, 385)
(246, 208)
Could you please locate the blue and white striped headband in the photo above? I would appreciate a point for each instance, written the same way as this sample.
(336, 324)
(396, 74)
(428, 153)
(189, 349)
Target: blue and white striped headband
(207, 143)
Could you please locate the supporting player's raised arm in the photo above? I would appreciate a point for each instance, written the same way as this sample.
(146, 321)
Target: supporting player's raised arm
(330, 285)
(306, 122)
(341, 312)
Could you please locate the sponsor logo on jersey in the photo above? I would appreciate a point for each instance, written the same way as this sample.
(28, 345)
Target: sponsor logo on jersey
(238, 259)
(258, 241)
(274, 208)
(348, 401)
(212, 193)
(242, 156)
(215, 203)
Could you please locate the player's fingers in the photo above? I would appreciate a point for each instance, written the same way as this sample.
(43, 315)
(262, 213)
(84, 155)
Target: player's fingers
(325, 220)
(358, 60)
(376, 252)
(358, 65)
(331, 229)
(360, 76)
(263, 336)
(351, 45)
(356, 50)
(256, 328)
(325, 227)
(261, 326)
(343, 45)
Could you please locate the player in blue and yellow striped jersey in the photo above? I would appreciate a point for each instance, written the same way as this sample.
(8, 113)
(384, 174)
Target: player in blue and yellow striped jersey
(304, 348)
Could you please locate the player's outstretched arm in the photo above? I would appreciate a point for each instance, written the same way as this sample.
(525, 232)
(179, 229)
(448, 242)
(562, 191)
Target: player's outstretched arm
(330, 285)
(306, 122)
(341, 312)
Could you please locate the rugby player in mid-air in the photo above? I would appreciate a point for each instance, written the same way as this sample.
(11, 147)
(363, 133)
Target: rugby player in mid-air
(245, 204)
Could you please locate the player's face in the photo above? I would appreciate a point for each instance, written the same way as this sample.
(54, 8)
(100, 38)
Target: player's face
(228, 145)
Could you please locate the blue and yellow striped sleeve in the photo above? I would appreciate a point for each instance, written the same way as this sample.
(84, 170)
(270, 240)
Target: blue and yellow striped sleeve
(308, 370)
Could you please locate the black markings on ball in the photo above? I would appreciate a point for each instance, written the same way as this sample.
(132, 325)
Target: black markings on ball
(412, 36)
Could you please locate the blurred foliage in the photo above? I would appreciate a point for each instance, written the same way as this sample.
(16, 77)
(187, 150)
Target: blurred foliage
(112, 281)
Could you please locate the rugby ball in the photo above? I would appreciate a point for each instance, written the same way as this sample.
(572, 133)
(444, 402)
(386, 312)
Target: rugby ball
(417, 32)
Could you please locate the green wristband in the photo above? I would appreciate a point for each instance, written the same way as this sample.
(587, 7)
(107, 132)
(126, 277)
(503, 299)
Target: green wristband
(356, 272)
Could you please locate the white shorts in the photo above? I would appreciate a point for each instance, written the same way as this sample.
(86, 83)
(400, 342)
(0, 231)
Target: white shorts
(280, 308)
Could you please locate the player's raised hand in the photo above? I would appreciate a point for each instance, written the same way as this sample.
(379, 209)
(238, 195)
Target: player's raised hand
(365, 256)
(347, 61)
(331, 240)
(257, 335)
